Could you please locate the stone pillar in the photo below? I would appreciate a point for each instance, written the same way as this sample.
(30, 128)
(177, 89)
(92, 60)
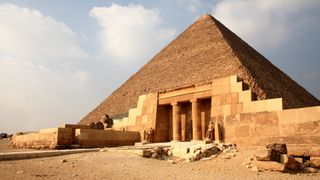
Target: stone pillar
(183, 127)
(176, 122)
(216, 132)
(203, 125)
(196, 124)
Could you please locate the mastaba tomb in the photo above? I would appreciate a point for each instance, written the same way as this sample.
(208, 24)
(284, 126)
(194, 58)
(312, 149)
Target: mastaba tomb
(206, 84)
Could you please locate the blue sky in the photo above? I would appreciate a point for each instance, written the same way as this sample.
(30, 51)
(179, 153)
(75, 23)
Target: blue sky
(59, 59)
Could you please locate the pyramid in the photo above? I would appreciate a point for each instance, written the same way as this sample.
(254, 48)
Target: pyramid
(205, 51)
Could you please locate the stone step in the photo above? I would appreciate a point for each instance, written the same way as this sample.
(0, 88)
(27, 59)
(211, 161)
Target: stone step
(39, 154)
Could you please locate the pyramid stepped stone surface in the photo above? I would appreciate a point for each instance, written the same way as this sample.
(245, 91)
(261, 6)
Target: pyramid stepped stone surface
(205, 51)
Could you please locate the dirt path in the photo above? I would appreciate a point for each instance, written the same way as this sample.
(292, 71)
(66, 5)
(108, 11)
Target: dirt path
(116, 165)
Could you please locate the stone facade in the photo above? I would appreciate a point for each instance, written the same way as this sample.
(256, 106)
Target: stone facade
(223, 108)
(184, 115)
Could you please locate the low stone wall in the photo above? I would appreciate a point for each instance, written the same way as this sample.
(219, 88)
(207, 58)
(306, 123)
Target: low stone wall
(293, 126)
(103, 138)
(44, 139)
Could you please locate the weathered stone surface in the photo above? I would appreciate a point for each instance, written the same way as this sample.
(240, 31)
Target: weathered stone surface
(146, 153)
(280, 148)
(292, 164)
(269, 165)
(315, 162)
(310, 170)
(283, 158)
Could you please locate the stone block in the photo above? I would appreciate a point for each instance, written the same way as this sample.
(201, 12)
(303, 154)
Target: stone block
(221, 81)
(226, 109)
(292, 164)
(269, 165)
(221, 89)
(303, 150)
(248, 118)
(236, 87)
(315, 162)
(216, 100)
(262, 155)
(216, 111)
(283, 158)
(242, 131)
(263, 105)
(244, 96)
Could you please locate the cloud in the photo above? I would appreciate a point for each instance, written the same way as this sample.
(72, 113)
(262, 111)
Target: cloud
(40, 77)
(265, 24)
(191, 5)
(131, 33)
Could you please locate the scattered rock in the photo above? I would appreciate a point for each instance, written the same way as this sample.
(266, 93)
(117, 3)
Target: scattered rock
(146, 153)
(213, 156)
(169, 153)
(103, 150)
(20, 172)
(226, 157)
(292, 164)
(256, 169)
(63, 160)
(171, 161)
(154, 155)
(262, 155)
(206, 159)
(309, 170)
(306, 164)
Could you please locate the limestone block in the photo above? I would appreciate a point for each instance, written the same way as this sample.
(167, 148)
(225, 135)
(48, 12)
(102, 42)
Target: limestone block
(315, 162)
(283, 158)
(216, 100)
(303, 150)
(292, 164)
(263, 105)
(247, 118)
(235, 88)
(232, 98)
(245, 96)
(242, 131)
(236, 109)
(144, 119)
(233, 79)
(226, 109)
(221, 81)
(216, 111)
(229, 132)
(221, 89)
(269, 165)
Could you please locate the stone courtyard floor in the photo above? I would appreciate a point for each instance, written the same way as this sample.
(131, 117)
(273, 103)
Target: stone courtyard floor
(122, 165)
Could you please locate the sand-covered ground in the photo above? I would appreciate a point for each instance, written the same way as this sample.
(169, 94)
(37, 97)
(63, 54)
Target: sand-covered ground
(121, 165)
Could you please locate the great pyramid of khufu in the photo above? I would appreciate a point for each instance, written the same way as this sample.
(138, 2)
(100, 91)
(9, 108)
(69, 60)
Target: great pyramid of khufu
(205, 51)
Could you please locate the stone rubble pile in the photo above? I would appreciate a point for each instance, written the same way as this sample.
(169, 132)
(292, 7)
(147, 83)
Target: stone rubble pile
(162, 153)
(211, 151)
(193, 153)
(275, 158)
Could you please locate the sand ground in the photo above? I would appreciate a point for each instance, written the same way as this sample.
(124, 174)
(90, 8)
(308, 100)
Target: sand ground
(121, 165)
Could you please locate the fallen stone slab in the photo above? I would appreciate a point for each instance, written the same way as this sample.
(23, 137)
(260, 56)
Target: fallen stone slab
(315, 162)
(296, 150)
(269, 165)
(39, 154)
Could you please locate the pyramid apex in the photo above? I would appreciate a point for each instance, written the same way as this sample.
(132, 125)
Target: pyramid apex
(206, 16)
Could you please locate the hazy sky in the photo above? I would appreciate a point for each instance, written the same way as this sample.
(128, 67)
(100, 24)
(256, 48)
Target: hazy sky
(60, 58)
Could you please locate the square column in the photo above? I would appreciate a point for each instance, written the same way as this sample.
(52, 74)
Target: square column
(203, 125)
(176, 122)
(196, 124)
(183, 127)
